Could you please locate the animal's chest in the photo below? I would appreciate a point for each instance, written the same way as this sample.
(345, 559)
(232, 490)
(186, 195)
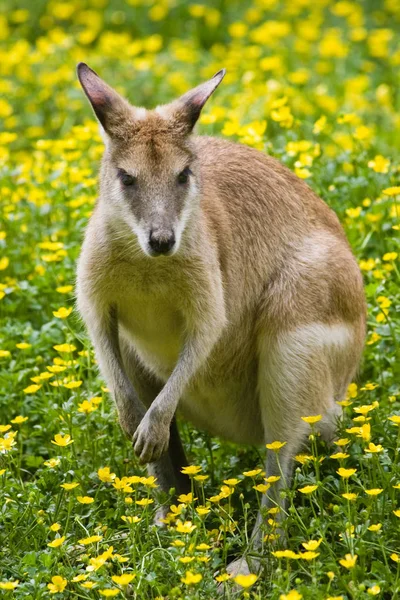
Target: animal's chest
(154, 325)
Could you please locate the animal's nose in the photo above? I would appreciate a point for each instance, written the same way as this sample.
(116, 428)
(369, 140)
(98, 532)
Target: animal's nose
(161, 243)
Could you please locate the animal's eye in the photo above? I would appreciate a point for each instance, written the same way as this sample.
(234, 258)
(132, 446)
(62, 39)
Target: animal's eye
(183, 177)
(125, 178)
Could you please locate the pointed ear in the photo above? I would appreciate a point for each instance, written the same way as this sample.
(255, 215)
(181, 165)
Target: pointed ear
(113, 111)
(186, 110)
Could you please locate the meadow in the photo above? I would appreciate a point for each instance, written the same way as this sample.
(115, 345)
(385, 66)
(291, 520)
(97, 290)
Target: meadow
(315, 84)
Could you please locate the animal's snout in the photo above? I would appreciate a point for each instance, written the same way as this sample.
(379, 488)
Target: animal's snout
(161, 243)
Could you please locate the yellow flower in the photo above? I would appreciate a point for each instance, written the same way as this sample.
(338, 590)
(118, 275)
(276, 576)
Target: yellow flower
(147, 481)
(231, 482)
(31, 389)
(308, 489)
(191, 578)
(303, 458)
(261, 487)
(57, 542)
(346, 473)
(62, 440)
(312, 419)
(4, 262)
(23, 346)
(5, 353)
(53, 462)
(64, 289)
(64, 348)
(390, 256)
(69, 486)
(202, 511)
(391, 191)
(201, 478)
(105, 475)
(276, 446)
(58, 584)
(246, 581)
(349, 561)
(55, 527)
(340, 455)
(186, 559)
(312, 544)
(71, 385)
(308, 555)
(98, 561)
(62, 313)
(123, 579)
(319, 125)
(131, 519)
(397, 513)
(272, 478)
(285, 554)
(109, 592)
(87, 407)
(186, 498)
(56, 368)
(376, 527)
(374, 448)
(90, 540)
(190, 470)
(18, 420)
(223, 577)
(379, 164)
(145, 501)
(292, 595)
(395, 419)
(395, 557)
(350, 496)
(9, 585)
(203, 547)
(374, 491)
(252, 473)
(374, 590)
(85, 499)
(79, 578)
(185, 527)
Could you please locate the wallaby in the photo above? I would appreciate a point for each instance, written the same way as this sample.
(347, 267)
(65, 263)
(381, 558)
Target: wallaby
(214, 280)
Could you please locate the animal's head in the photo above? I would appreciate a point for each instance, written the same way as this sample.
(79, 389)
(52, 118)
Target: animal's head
(150, 176)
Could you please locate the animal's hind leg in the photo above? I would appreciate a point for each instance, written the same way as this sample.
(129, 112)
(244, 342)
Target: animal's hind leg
(300, 373)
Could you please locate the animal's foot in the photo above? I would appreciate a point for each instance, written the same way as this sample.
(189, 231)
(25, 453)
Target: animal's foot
(241, 566)
(150, 439)
(159, 517)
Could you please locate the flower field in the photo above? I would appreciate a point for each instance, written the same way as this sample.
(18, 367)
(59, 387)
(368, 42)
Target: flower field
(315, 84)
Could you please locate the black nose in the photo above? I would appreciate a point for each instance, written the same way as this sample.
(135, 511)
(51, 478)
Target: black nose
(161, 244)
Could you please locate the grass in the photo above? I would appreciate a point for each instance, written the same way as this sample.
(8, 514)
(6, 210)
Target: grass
(314, 84)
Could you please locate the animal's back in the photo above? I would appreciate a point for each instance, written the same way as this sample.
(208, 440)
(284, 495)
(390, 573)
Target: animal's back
(276, 238)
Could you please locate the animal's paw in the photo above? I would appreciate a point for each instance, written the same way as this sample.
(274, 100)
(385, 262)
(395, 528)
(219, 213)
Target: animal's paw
(159, 517)
(239, 567)
(150, 439)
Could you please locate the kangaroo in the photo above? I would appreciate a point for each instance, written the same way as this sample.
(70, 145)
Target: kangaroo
(214, 281)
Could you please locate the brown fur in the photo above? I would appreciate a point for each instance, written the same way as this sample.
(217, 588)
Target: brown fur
(256, 319)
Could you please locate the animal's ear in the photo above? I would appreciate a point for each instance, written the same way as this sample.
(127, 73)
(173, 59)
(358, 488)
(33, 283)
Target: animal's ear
(110, 108)
(186, 110)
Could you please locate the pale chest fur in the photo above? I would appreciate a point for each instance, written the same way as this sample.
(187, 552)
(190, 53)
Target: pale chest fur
(154, 325)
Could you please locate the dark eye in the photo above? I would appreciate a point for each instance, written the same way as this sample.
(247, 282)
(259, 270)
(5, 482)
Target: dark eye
(183, 177)
(125, 178)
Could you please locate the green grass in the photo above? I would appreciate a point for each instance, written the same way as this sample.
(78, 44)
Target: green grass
(289, 65)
